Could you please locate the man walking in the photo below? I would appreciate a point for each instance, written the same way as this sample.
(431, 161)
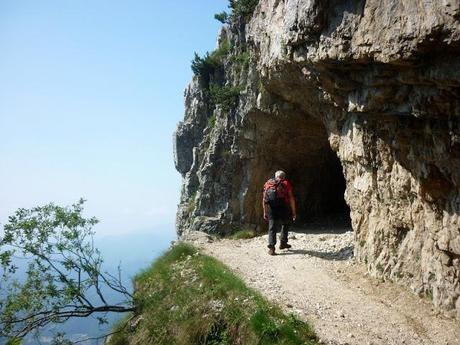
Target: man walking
(279, 208)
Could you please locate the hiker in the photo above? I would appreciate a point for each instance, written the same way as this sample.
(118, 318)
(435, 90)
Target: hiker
(279, 208)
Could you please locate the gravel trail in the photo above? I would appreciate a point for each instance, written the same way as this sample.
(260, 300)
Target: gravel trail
(320, 282)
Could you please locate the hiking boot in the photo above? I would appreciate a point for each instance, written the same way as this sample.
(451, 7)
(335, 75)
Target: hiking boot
(271, 251)
(285, 246)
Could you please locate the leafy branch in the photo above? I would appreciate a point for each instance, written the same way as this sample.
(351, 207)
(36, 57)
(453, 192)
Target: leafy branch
(63, 276)
(239, 9)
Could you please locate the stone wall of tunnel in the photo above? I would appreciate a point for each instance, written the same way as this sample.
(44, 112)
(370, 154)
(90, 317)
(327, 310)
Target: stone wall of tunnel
(297, 144)
(403, 189)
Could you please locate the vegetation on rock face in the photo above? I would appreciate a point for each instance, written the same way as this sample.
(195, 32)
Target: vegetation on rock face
(241, 61)
(240, 9)
(243, 8)
(221, 17)
(226, 96)
(191, 203)
(210, 67)
(211, 121)
(190, 298)
(206, 66)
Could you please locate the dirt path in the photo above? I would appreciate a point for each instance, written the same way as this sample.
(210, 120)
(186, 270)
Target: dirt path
(319, 281)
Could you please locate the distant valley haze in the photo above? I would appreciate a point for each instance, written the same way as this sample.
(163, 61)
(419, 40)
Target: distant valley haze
(90, 95)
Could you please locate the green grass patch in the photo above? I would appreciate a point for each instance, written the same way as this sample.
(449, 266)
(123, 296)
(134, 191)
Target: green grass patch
(186, 297)
(243, 235)
(119, 336)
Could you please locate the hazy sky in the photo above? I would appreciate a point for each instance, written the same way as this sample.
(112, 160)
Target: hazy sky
(90, 94)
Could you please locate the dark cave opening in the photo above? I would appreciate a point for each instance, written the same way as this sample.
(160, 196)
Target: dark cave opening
(319, 188)
(300, 147)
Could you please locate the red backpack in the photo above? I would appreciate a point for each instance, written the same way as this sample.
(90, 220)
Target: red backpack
(274, 193)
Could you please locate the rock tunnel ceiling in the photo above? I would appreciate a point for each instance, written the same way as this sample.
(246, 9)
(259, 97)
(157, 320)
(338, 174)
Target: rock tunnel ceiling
(347, 98)
(297, 144)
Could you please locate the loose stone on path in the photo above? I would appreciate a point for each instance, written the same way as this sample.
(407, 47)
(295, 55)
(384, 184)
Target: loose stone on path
(319, 281)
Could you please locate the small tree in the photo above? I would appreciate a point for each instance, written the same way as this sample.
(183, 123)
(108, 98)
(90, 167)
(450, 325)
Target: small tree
(210, 63)
(243, 8)
(221, 17)
(62, 274)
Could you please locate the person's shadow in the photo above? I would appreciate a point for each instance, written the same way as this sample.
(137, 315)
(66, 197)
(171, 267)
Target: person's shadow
(343, 254)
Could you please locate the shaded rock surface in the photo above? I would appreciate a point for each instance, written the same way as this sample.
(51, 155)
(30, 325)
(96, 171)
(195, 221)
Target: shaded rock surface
(359, 102)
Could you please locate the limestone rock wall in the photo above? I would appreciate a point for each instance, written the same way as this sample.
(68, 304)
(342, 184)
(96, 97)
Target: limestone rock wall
(360, 93)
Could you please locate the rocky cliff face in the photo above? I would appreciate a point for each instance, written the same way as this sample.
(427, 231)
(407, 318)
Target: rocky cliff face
(351, 98)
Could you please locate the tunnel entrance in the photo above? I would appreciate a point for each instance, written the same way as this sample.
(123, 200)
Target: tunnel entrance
(299, 145)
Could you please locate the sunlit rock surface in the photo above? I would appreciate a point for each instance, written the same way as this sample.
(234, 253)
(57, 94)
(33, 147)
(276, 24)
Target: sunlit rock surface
(359, 102)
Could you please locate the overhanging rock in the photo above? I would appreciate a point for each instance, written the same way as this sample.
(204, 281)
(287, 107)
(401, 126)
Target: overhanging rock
(360, 98)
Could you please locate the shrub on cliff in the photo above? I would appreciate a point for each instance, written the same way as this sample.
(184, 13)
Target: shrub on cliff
(200, 65)
(206, 66)
(226, 96)
(221, 17)
(243, 8)
(241, 61)
(240, 9)
(190, 298)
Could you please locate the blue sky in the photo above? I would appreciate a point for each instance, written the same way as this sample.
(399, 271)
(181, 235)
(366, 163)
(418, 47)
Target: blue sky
(90, 94)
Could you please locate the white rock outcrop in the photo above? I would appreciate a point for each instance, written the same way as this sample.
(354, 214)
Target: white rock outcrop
(360, 98)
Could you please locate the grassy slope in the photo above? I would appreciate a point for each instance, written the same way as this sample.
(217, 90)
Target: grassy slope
(186, 297)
